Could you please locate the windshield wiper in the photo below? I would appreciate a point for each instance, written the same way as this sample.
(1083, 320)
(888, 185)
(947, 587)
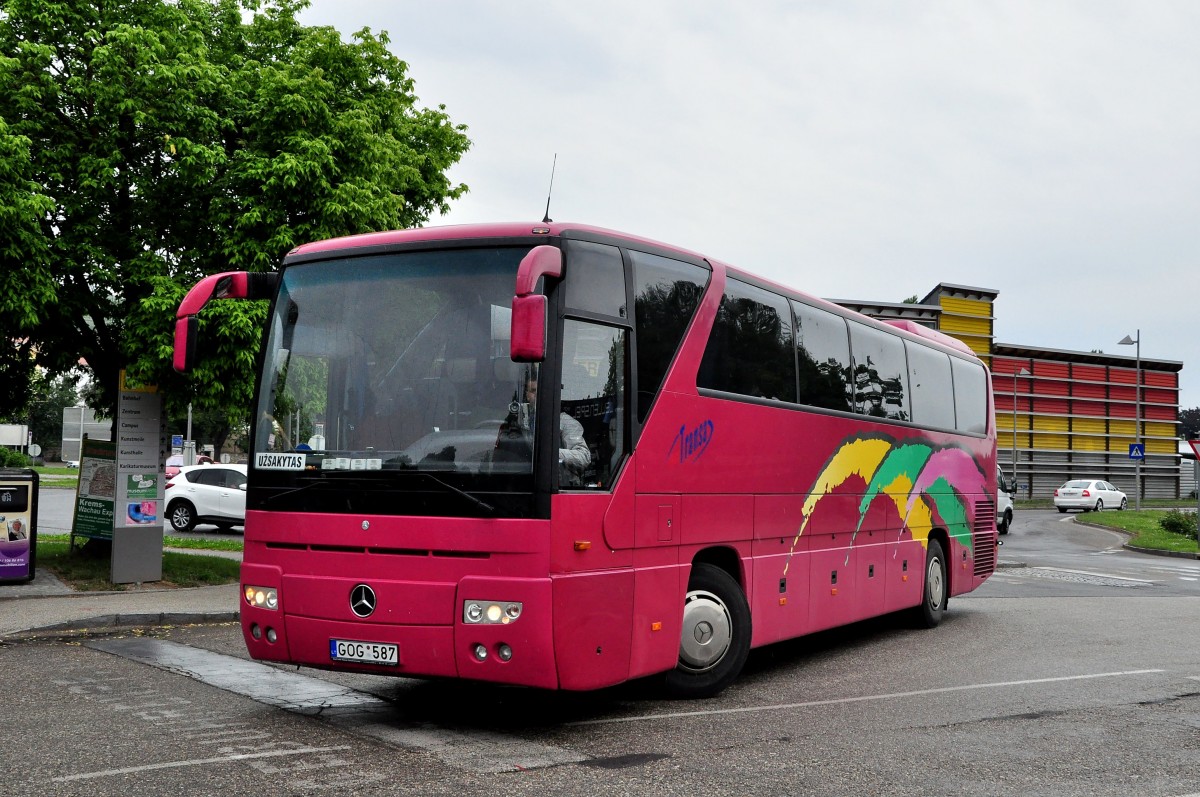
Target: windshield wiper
(486, 507)
(358, 481)
(319, 481)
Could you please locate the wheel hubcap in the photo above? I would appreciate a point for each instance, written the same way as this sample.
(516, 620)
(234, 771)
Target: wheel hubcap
(707, 631)
(937, 587)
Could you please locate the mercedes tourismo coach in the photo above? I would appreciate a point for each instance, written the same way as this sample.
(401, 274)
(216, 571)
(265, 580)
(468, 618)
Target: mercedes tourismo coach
(564, 457)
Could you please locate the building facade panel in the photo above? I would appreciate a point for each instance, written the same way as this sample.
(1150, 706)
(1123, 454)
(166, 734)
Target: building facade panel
(1090, 390)
(958, 325)
(1084, 413)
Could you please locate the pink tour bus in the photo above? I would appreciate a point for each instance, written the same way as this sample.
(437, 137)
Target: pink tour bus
(564, 457)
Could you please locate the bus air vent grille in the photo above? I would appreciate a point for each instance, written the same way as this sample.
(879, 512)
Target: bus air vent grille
(984, 537)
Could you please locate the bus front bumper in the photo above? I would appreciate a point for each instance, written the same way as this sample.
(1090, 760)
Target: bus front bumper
(507, 638)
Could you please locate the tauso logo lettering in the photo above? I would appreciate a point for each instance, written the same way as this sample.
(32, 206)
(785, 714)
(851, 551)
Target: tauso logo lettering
(691, 443)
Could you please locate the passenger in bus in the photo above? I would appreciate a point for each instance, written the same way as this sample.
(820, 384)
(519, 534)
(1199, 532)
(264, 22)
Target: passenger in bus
(574, 456)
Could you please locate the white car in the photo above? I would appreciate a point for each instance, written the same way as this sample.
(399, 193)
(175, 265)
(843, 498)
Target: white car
(1004, 502)
(207, 494)
(1088, 495)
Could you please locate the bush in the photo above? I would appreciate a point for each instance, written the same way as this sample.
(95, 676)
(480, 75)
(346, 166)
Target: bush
(12, 458)
(1176, 522)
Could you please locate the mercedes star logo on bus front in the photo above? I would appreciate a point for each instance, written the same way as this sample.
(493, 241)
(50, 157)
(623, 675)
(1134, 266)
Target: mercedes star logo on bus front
(362, 600)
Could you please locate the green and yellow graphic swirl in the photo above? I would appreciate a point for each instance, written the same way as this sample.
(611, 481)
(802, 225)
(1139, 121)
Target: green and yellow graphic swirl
(927, 485)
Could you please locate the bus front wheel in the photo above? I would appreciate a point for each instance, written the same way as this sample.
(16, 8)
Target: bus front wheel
(716, 634)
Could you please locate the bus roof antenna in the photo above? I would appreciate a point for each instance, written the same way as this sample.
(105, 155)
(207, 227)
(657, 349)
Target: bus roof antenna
(546, 219)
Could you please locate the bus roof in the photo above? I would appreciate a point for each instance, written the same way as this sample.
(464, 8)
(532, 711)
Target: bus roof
(526, 229)
(469, 231)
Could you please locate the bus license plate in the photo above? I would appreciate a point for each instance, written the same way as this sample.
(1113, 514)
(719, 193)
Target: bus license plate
(363, 652)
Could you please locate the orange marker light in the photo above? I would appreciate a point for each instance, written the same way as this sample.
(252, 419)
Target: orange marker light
(656, 626)
(582, 545)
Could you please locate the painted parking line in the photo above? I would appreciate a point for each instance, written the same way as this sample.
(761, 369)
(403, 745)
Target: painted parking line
(197, 762)
(865, 698)
(1096, 575)
(359, 713)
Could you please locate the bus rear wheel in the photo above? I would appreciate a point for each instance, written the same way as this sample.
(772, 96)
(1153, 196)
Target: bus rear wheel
(716, 634)
(935, 596)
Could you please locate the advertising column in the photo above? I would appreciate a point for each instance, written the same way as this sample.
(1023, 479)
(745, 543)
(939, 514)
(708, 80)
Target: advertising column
(137, 511)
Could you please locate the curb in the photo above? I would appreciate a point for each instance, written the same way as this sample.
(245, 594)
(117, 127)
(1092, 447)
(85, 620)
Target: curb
(113, 623)
(1134, 548)
(1156, 552)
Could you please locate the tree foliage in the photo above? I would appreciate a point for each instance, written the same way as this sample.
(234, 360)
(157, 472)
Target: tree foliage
(1189, 423)
(147, 143)
(41, 408)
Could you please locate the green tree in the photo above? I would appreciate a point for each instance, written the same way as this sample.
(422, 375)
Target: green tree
(147, 143)
(1189, 423)
(49, 396)
(40, 407)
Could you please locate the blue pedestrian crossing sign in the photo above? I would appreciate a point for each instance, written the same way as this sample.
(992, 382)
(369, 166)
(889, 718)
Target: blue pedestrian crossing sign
(1137, 450)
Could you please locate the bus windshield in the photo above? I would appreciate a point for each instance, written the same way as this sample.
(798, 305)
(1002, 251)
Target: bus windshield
(397, 363)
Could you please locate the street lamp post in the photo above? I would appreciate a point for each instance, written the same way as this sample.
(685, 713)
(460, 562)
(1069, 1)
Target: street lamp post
(1022, 372)
(1137, 414)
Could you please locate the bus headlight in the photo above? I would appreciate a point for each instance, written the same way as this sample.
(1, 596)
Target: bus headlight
(491, 612)
(261, 597)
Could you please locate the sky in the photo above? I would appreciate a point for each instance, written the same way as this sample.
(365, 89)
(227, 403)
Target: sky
(1045, 149)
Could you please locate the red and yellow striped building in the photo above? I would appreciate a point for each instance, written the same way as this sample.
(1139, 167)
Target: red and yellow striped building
(1062, 414)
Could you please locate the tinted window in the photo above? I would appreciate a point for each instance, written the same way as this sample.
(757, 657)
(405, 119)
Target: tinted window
(595, 278)
(213, 477)
(931, 386)
(970, 396)
(234, 478)
(593, 396)
(822, 357)
(751, 350)
(666, 295)
(880, 373)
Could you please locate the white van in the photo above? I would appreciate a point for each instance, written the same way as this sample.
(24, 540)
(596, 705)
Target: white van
(1004, 501)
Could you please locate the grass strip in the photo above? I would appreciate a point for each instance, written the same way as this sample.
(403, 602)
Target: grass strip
(1144, 529)
(87, 571)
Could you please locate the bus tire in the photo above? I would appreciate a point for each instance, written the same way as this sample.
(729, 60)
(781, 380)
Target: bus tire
(715, 638)
(935, 595)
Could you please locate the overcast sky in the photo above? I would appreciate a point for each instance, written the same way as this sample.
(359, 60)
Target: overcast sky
(854, 150)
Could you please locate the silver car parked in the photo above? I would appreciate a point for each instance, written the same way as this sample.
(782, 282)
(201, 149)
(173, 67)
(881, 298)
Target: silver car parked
(1087, 495)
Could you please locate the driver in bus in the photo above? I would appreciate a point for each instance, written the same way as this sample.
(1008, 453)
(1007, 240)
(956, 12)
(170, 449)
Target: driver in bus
(573, 453)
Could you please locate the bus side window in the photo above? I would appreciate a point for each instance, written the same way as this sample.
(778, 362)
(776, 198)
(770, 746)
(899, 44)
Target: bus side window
(823, 358)
(594, 401)
(666, 295)
(751, 349)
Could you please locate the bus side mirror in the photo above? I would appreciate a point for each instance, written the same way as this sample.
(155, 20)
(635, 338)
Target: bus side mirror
(186, 330)
(228, 285)
(528, 341)
(528, 329)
